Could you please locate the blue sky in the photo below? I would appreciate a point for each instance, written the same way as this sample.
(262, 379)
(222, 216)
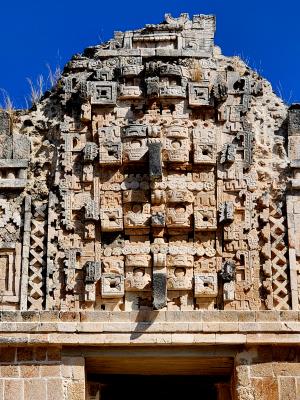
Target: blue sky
(38, 32)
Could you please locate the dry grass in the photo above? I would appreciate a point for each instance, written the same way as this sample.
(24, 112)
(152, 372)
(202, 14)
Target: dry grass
(53, 75)
(36, 89)
(42, 83)
(287, 98)
(6, 103)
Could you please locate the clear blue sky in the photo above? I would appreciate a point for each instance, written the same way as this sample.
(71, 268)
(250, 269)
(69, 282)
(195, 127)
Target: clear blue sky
(36, 32)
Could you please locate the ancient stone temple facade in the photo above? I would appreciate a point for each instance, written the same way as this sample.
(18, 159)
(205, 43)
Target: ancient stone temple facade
(150, 227)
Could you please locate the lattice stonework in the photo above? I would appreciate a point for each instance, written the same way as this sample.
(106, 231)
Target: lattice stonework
(37, 258)
(279, 254)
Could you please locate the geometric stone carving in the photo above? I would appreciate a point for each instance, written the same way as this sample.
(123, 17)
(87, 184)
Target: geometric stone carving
(92, 272)
(103, 93)
(206, 285)
(199, 95)
(280, 279)
(205, 218)
(37, 258)
(111, 219)
(166, 172)
(10, 270)
(180, 278)
(226, 211)
(112, 285)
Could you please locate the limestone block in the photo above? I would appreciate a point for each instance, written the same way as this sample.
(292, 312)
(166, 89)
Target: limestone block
(111, 219)
(179, 216)
(205, 218)
(110, 153)
(199, 94)
(206, 285)
(180, 278)
(21, 147)
(176, 150)
(138, 278)
(5, 123)
(90, 151)
(112, 285)
(102, 93)
(135, 149)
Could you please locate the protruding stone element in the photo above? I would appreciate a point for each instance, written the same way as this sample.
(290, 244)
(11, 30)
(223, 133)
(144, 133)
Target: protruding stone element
(228, 271)
(228, 153)
(159, 290)
(226, 212)
(199, 95)
(155, 160)
(206, 285)
(159, 281)
(112, 285)
(103, 93)
(92, 272)
(90, 151)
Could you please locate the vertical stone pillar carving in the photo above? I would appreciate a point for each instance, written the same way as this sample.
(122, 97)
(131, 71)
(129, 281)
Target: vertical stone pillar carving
(159, 281)
(293, 202)
(25, 254)
(37, 258)
(280, 278)
(33, 257)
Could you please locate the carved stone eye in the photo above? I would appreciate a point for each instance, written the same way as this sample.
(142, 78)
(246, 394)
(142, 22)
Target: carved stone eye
(176, 144)
(138, 272)
(137, 208)
(179, 272)
(180, 208)
(136, 144)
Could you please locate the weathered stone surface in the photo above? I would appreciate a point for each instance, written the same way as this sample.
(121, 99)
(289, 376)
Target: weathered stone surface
(154, 176)
(187, 169)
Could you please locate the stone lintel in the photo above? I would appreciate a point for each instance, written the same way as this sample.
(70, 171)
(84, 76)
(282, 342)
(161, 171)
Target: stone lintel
(11, 163)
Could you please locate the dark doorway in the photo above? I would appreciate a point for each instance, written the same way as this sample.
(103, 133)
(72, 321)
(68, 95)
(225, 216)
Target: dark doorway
(157, 387)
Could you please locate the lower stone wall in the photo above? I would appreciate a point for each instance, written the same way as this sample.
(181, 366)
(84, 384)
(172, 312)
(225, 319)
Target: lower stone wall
(267, 373)
(46, 373)
(36, 361)
(40, 373)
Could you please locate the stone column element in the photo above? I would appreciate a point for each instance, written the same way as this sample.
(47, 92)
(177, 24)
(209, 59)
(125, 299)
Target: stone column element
(25, 254)
(293, 201)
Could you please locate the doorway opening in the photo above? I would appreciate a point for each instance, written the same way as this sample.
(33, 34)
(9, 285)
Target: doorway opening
(157, 387)
(158, 373)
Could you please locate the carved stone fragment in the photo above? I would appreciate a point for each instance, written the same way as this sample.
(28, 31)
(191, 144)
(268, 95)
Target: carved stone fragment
(155, 160)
